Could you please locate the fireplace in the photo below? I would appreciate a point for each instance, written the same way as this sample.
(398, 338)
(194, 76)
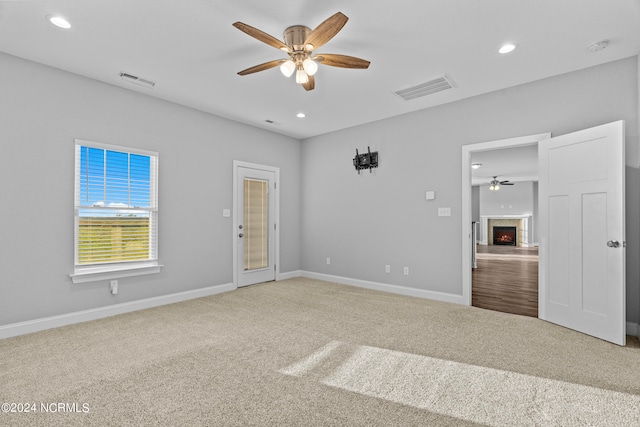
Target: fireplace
(504, 236)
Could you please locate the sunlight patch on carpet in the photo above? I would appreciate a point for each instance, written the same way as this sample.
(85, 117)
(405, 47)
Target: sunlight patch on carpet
(473, 393)
(310, 362)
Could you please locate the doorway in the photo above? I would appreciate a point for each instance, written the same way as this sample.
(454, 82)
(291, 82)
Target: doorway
(505, 192)
(255, 236)
(469, 248)
(582, 256)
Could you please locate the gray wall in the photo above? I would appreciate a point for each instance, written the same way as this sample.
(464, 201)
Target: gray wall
(366, 221)
(509, 200)
(361, 221)
(42, 110)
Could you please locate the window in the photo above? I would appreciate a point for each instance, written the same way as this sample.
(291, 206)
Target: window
(116, 212)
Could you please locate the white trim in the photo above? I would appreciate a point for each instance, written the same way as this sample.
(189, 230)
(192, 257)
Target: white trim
(289, 275)
(384, 287)
(30, 326)
(119, 148)
(42, 324)
(108, 272)
(240, 164)
(466, 197)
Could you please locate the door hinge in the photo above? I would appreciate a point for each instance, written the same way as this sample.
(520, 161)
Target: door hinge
(274, 226)
(275, 185)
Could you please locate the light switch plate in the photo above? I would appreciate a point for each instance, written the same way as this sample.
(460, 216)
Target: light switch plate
(226, 213)
(430, 195)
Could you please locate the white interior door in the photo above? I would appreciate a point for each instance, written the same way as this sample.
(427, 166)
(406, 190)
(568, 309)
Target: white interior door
(255, 224)
(582, 254)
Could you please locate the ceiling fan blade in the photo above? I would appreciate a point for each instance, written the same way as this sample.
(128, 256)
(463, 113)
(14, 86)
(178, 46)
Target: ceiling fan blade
(262, 67)
(262, 36)
(343, 61)
(506, 183)
(326, 30)
(310, 84)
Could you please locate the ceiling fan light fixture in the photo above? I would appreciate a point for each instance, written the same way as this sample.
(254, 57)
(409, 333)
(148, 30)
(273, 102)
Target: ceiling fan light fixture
(310, 66)
(491, 187)
(287, 68)
(301, 76)
(299, 41)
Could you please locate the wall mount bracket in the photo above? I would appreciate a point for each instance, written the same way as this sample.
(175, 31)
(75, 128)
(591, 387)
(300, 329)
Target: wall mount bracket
(368, 160)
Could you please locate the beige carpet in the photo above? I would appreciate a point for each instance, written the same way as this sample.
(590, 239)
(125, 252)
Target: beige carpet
(306, 352)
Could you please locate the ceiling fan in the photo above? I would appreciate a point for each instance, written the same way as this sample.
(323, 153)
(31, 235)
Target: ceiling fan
(494, 185)
(299, 43)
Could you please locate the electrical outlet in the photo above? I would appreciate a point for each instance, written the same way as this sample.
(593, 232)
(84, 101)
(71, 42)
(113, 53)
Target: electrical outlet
(113, 287)
(387, 269)
(328, 261)
(406, 271)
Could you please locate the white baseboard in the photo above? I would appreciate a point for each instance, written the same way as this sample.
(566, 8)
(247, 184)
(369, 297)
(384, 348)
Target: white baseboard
(30, 326)
(42, 324)
(394, 289)
(633, 329)
(289, 275)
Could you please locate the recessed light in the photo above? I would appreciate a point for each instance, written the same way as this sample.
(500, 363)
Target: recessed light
(301, 115)
(508, 47)
(59, 21)
(476, 165)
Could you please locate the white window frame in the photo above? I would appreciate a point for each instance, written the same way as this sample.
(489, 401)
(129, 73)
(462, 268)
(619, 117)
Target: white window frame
(107, 271)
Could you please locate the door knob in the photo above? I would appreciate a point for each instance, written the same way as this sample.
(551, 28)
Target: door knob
(613, 244)
(240, 226)
(240, 235)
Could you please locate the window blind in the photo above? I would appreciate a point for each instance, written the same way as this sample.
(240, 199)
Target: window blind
(256, 221)
(116, 205)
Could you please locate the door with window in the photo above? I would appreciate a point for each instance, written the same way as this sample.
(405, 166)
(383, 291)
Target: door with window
(255, 223)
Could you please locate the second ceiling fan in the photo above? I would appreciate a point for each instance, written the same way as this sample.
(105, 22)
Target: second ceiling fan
(299, 43)
(495, 184)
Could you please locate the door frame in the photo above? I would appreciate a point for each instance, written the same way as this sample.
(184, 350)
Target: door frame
(467, 150)
(236, 220)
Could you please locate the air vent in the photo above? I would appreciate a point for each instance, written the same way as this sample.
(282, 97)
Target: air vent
(428, 88)
(137, 80)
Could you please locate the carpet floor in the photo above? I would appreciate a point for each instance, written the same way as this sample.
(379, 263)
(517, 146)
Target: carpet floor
(304, 352)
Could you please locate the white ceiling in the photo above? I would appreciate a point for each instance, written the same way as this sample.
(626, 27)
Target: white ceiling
(508, 164)
(192, 51)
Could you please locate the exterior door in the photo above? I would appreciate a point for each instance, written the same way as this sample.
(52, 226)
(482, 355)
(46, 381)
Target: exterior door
(255, 223)
(582, 254)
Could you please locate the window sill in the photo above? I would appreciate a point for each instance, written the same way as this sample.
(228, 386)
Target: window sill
(94, 274)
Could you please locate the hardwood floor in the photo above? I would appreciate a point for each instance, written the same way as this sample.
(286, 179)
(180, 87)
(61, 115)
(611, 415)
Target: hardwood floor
(506, 280)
